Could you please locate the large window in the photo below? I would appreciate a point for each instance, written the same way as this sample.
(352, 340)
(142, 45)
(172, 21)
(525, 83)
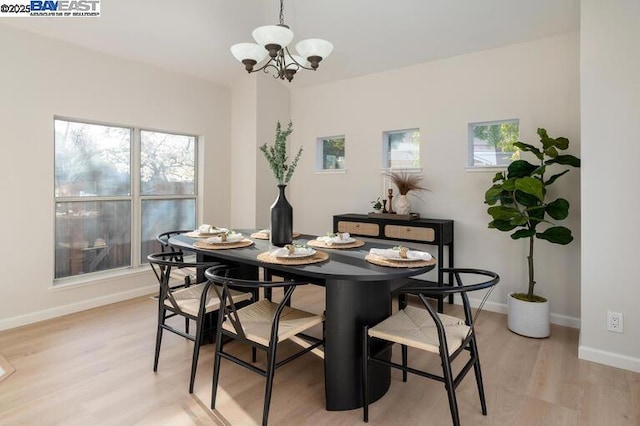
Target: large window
(491, 143)
(401, 149)
(116, 188)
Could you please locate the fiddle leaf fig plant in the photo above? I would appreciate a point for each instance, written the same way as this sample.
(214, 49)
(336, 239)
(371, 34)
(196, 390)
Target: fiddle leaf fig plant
(519, 202)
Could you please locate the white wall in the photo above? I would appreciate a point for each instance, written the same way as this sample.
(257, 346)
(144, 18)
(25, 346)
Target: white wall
(537, 82)
(610, 92)
(273, 106)
(244, 110)
(258, 103)
(42, 78)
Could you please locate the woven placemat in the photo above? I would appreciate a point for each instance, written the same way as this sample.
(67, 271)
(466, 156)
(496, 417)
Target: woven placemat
(318, 256)
(322, 244)
(6, 369)
(381, 261)
(222, 246)
(263, 236)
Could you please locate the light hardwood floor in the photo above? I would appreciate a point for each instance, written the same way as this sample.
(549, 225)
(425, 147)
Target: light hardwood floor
(95, 368)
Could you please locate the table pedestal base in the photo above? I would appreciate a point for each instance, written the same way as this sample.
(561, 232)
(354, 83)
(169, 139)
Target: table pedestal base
(350, 306)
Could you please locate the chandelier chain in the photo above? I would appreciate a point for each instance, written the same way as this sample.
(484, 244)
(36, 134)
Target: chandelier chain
(281, 12)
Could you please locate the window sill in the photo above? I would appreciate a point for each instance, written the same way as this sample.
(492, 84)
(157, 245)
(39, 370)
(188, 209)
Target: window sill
(331, 172)
(97, 278)
(480, 169)
(412, 170)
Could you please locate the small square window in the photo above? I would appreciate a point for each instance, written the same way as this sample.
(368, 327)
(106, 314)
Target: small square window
(401, 149)
(491, 143)
(330, 153)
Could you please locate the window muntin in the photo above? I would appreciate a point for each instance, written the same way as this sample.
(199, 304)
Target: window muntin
(491, 143)
(330, 153)
(401, 149)
(103, 222)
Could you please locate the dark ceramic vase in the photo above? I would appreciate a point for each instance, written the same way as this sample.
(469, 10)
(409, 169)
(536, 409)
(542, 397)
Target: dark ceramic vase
(281, 220)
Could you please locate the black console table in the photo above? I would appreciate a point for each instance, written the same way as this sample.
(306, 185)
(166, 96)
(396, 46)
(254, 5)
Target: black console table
(437, 232)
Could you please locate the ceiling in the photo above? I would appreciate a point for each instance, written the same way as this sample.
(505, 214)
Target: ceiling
(193, 36)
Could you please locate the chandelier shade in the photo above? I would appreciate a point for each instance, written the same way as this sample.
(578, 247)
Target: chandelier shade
(273, 34)
(252, 51)
(274, 40)
(314, 47)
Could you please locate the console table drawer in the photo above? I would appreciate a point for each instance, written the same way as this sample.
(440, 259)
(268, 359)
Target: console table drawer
(359, 228)
(409, 233)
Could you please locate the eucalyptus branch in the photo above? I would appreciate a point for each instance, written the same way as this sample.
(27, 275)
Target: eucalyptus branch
(276, 155)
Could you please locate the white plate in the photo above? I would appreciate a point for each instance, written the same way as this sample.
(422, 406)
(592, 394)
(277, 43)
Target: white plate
(347, 241)
(310, 253)
(211, 234)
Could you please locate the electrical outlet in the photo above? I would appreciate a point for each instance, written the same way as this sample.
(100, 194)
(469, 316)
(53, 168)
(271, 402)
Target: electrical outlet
(614, 321)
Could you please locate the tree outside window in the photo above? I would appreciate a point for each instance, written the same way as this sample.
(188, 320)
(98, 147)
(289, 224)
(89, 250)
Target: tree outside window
(331, 153)
(491, 143)
(95, 200)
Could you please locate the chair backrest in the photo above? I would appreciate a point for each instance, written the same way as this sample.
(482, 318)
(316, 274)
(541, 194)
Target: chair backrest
(483, 280)
(163, 239)
(162, 263)
(220, 275)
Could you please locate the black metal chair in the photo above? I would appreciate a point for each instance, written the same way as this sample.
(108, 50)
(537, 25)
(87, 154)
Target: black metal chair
(187, 275)
(427, 330)
(193, 303)
(419, 283)
(261, 325)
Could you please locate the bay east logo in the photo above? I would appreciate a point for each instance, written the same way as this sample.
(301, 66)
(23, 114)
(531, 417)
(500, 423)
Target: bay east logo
(65, 7)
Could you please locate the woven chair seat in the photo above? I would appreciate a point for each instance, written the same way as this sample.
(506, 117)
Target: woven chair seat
(414, 327)
(256, 321)
(184, 272)
(188, 299)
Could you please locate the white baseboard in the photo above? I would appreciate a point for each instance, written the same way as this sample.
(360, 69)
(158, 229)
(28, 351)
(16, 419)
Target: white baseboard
(71, 308)
(501, 308)
(565, 320)
(609, 358)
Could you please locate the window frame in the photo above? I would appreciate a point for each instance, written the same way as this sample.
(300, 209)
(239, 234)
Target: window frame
(470, 166)
(386, 157)
(135, 199)
(320, 154)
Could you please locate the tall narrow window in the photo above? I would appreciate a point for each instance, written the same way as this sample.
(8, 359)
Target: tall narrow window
(491, 143)
(401, 149)
(93, 197)
(330, 153)
(167, 185)
(102, 218)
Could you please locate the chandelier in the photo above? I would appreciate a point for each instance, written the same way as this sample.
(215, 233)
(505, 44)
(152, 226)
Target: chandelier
(274, 41)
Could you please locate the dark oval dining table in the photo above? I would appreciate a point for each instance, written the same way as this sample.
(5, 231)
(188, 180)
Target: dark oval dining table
(357, 293)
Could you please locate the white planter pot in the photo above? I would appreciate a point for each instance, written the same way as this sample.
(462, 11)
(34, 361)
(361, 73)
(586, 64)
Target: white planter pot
(403, 205)
(529, 319)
